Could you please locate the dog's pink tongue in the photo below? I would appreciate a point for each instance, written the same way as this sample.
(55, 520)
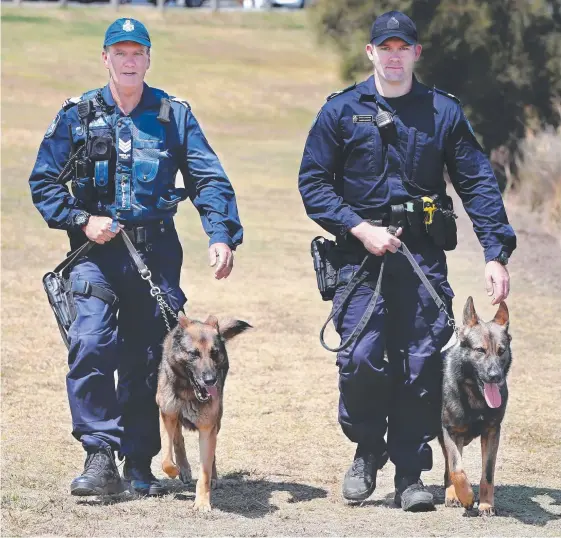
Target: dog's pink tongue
(212, 391)
(492, 395)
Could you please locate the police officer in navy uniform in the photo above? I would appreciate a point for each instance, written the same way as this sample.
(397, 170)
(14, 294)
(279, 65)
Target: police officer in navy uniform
(355, 167)
(128, 185)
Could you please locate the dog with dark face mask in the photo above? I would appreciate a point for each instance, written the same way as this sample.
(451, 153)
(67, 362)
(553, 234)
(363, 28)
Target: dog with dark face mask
(190, 395)
(475, 396)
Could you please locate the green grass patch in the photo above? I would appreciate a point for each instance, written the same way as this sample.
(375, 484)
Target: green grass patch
(15, 18)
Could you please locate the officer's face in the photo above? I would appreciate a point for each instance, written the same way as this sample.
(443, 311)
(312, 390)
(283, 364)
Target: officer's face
(394, 59)
(127, 63)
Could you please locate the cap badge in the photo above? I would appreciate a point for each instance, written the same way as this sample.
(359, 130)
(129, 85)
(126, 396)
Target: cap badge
(393, 23)
(129, 26)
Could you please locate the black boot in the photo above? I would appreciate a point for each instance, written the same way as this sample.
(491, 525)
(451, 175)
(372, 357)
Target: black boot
(100, 476)
(360, 479)
(411, 494)
(138, 473)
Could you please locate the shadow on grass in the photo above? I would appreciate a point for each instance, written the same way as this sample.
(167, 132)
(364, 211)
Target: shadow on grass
(529, 505)
(251, 498)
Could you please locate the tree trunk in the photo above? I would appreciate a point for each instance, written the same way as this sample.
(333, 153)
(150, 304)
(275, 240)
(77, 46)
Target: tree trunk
(215, 5)
(115, 4)
(161, 5)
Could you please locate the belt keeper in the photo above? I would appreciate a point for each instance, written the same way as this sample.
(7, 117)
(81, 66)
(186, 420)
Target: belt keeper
(140, 233)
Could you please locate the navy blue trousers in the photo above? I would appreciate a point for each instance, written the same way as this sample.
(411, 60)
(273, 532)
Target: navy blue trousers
(126, 337)
(390, 379)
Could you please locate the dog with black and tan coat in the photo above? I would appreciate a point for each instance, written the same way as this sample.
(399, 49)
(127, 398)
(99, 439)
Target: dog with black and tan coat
(190, 395)
(475, 396)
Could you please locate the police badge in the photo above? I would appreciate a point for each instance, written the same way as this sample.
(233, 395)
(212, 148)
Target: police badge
(52, 127)
(128, 26)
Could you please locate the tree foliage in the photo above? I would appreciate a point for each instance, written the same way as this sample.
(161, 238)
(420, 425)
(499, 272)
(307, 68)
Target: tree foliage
(502, 58)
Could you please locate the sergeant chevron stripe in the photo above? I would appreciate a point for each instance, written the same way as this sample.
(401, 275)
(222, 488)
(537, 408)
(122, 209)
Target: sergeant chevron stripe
(124, 146)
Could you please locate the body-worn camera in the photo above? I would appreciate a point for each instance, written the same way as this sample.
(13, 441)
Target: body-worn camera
(99, 148)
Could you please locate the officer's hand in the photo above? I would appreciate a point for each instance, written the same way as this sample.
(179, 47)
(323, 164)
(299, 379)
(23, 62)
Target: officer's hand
(221, 256)
(497, 281)
(376, 239)
(98, 229)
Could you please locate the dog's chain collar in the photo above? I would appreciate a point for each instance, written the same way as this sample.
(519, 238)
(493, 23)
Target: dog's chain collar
(157, 293)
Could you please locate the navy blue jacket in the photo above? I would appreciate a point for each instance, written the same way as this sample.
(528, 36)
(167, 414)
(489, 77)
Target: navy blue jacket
(138, 184)
(347, 175)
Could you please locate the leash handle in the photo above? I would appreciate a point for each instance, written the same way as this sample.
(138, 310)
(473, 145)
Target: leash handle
(354, 283)
(72, 258)
(359, 278)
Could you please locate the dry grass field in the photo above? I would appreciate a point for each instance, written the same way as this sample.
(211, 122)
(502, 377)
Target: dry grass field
(255, 82)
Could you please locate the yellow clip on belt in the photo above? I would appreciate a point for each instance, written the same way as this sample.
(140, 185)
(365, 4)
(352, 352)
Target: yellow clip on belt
(429, 208)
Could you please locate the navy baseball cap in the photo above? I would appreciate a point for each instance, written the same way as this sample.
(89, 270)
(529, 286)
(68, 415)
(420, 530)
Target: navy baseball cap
(127, 30)
(393, 24)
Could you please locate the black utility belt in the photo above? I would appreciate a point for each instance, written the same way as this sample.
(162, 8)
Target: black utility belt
(144, 233)
(431, 216)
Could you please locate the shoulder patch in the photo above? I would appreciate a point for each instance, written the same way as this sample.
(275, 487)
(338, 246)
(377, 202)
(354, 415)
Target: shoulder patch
(182, 101)
(442, 92)
(344, 90)
(52, 127)
(70, 102)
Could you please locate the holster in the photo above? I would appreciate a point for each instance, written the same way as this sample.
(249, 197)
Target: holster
(326, 266)
(59, 293)
(61, 290)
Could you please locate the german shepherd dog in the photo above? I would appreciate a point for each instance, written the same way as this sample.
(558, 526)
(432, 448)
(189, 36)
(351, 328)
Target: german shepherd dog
(474, 403)
(190, 394)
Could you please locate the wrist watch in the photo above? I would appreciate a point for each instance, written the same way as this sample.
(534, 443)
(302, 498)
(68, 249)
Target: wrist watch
(502, 258)
(81, 218)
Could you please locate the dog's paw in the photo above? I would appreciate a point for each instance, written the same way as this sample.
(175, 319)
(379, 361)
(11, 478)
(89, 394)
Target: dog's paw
(170, 469)
(202, 505)
(452, 502)
(451, 498)
(185, 476)
(486, 510)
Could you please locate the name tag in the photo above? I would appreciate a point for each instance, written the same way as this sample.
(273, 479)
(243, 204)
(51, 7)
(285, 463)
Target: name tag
(363, 118)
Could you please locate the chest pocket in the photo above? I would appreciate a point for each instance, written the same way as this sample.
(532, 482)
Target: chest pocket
(148, 157)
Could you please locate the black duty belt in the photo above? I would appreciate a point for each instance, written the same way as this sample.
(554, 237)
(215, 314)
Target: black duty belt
(147, 232)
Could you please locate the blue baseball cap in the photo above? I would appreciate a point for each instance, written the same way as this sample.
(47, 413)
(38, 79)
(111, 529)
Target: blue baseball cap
(127, 30)
(393, 24)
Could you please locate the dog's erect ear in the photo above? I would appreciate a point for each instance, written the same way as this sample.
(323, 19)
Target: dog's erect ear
(501, 317)
(470, 315)
(184, 321)
(212, 321)
(233, 327)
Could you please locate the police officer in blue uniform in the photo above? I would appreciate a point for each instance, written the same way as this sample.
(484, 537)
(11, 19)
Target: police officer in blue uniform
(375, 150)
(133, 141)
